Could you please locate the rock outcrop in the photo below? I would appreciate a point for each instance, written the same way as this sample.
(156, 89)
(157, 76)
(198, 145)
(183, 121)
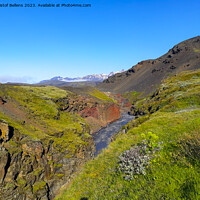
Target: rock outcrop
(5, 132)
(42, 146)
(36, 169)
(99, 116)
(96, 113)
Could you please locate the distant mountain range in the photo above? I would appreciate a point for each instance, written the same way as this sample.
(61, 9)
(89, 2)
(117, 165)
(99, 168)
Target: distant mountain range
(94, 78)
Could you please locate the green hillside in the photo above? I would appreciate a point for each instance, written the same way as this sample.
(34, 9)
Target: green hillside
(41, 146)
(156, 156)
(37, 106)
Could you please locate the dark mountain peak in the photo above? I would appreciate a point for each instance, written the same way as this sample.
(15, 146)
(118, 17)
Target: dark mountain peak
(186, 45)
(146, 75)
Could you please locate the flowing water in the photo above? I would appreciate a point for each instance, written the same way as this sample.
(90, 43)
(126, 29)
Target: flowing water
(102, 138)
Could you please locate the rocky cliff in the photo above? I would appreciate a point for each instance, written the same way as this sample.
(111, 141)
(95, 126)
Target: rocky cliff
(94, 106)
(45, 137)
(41, 146)
(32, 169)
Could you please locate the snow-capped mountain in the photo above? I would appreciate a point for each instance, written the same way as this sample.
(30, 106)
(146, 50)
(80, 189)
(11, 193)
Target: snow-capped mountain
(94, 77)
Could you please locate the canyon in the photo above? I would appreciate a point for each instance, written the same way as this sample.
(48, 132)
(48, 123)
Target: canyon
(45, 137)
(48, 134)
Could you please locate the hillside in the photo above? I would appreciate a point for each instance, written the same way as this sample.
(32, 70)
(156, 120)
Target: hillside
(45, 138)
(155, 156)
(147, 75)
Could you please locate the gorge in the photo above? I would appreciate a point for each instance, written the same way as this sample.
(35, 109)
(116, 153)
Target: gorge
(82, 140)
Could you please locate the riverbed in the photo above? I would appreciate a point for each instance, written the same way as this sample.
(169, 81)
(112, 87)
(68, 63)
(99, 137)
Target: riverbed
(102, 138)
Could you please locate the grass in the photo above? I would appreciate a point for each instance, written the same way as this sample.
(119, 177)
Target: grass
(46, 92)
(44, 120)
(132, 96)
(35, 115)
(99, 179)
(49, 139)
(176, 93)
(174, 173)
(38, 186)
(100, 95)
(196, 50)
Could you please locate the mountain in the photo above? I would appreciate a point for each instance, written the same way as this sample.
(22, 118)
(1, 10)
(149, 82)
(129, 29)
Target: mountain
(92, 78)
(147, 75)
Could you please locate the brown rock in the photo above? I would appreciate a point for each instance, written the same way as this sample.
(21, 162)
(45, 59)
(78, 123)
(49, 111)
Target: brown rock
(4, 131)
(4, 158)
(33, 148)
(112, 113)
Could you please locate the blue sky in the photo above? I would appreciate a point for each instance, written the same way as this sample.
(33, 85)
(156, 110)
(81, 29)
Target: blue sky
(40, 43)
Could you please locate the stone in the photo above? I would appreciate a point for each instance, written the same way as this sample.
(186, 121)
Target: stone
(2, 101)
(4, 132)
(4, 159)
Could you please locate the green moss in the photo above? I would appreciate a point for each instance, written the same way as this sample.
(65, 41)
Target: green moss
(26, 129)
(176, 93)
(13, 143)
(39, 185)
(46, 91)
(196, 50)
(10, 186)
(100, 95)
(50, 162)
(58, 165)
(37, 171)
(132, 96)
(37, 101)
(21, 181)
(35, 116)
(12, 146)
(59, 175)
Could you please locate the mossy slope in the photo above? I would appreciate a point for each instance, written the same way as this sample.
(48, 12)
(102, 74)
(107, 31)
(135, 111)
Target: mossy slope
(46, 145)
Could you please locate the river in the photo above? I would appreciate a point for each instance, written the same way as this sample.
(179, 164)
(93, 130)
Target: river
(102, 138)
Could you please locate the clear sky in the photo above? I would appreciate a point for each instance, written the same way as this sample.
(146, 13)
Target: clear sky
(40, 43)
